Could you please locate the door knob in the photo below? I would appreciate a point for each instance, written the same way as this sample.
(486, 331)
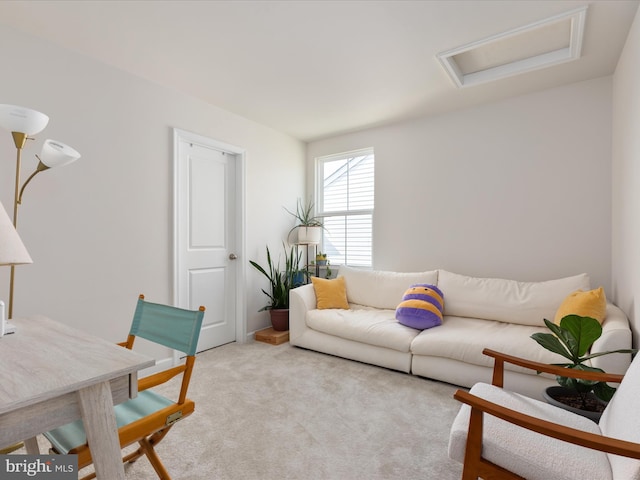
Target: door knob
(232, 256)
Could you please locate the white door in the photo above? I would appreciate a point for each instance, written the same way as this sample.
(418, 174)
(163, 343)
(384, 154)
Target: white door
(206, 266)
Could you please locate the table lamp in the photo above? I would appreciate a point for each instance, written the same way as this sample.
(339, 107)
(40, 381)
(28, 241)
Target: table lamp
(12, 252)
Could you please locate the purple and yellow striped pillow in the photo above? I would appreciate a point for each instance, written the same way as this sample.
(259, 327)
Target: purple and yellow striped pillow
(421, 307)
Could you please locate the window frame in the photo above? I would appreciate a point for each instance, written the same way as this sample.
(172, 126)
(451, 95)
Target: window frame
(319, 194)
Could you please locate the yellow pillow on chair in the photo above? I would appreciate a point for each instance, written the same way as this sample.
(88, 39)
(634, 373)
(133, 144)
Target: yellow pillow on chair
(592, 303)
(330, 293)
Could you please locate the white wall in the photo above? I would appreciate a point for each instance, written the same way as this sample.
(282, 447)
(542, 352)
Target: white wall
(519, 188)
(100, 230)
(626, 179)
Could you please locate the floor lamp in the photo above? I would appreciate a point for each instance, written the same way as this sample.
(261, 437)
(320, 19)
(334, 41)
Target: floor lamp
(23, 123)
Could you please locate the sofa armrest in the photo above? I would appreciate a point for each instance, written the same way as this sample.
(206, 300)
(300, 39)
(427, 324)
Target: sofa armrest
(301, 300)
(616, 335)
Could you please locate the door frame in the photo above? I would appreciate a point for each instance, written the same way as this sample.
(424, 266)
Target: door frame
(240, 156)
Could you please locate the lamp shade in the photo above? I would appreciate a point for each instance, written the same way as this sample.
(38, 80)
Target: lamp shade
(21, 119)
(57, 154)
(12, 250)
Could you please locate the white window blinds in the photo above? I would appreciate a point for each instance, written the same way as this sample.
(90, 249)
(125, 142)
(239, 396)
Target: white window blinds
(345, 202)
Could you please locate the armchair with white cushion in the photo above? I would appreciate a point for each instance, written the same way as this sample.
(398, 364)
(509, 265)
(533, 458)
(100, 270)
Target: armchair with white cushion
(500, 434)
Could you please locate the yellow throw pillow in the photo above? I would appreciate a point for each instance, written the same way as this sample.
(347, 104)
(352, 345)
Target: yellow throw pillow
(592, 303)
(330, 293)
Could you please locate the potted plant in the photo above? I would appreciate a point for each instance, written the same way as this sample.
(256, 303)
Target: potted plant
(309, 227)
(280, 282)
(329, 272)
(573, 339)
(321, 258)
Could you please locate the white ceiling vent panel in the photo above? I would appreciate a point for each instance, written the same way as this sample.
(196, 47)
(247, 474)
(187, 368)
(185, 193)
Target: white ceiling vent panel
(538, 45)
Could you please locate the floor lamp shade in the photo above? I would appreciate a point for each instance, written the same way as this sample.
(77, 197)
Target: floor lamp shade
(12, 250)
(57, 154)
(22, 119)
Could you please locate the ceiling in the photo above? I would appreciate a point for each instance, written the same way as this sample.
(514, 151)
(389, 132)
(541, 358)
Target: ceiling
(314, 68)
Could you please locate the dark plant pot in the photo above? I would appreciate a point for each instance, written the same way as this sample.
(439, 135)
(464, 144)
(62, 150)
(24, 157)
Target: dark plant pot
(551, 393)
(280, 319)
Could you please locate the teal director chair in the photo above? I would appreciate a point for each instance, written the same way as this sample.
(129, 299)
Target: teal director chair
(147, 418)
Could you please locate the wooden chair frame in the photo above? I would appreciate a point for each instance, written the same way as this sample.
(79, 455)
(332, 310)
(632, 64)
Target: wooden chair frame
(150, 430)
(475, 466)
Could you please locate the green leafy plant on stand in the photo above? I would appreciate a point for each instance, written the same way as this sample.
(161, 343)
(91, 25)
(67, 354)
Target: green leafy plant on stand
(329, 271)
(304, 216)
(573, 339)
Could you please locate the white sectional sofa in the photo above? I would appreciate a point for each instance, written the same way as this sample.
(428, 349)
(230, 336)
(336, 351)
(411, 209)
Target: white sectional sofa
(478, 313)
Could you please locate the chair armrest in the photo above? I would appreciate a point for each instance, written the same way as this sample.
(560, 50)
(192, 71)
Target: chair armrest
(501, 358)
(550, 429)
(159, 378)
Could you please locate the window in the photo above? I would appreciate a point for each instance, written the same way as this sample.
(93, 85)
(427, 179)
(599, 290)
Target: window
(345, 196)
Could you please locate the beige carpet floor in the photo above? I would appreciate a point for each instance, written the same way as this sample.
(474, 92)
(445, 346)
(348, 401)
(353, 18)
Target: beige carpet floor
(268, 412)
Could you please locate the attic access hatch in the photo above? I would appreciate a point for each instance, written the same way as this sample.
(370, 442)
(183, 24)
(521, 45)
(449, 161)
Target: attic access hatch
(541, 44)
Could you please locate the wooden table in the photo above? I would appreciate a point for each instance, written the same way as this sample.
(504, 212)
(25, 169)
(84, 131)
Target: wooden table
(52, 374)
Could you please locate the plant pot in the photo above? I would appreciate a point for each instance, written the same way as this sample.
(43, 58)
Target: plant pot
(551, 393)
(322, 263)
(298, 279)
(309, 234)
(280, 319)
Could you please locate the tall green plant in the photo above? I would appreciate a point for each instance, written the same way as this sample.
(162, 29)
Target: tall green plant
(281, 281)
(573, 339)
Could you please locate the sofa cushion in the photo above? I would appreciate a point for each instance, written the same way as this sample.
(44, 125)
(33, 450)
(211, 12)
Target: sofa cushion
(380, 289)
(330, 293)
(525, 303)
(592, 303)
(463, 339)
(363, 324)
